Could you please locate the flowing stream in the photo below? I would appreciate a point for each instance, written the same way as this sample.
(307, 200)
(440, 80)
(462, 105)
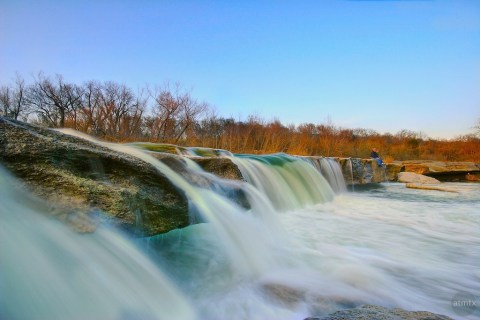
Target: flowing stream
(306, 247)
(49, 272)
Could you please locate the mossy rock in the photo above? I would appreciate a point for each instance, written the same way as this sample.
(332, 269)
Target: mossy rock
(82, 175)
(158, 147)
(222, 167)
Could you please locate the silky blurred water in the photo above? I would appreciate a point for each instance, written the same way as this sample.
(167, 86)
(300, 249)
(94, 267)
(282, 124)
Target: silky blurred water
(48, 271)
(413, 249)
(298, 251)
(389, 246)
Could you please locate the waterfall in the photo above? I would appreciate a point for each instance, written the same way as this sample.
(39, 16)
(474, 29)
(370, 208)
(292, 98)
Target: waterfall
(351, 173)
(50, 272)
(287, 181)
(385, 176)
(205, 152)
(331, 170)
(245, 240)
(256, 261)
(279, 170)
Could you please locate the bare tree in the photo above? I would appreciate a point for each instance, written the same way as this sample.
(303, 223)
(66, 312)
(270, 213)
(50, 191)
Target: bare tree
(477, 127)
(120, 111)
(12, 99)
(6, 100)
(209, 130)
(190, 110)
(54, 101)
(175, 111)
(136, 115)
(165, 110)
(90, 107)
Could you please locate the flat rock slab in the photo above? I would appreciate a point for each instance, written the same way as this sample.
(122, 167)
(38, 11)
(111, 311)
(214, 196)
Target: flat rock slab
(411, 177)
(439, 167)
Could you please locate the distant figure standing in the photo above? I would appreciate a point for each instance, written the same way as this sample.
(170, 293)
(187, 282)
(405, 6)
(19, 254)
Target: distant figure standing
(376, 157)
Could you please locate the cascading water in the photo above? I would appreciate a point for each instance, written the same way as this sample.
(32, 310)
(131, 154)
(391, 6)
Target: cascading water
(239, 233)
(289, 183)
(385, 175)
(205, 152)
(47, 271)
(389, 246)
(351, 173)
(331, 170)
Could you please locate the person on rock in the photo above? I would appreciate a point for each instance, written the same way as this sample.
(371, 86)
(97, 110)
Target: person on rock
(376, 157)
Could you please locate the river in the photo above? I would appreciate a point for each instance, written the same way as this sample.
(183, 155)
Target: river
(300, 250)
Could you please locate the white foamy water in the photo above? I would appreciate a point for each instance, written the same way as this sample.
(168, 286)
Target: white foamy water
(389, 246)
(400, 247)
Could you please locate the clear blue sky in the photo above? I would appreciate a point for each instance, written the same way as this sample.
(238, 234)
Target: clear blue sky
(383, 65)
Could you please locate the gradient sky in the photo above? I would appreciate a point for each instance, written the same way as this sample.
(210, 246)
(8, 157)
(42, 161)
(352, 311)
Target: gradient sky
(382, 65)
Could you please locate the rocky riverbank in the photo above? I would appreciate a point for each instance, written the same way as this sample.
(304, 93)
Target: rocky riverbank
(363, 171)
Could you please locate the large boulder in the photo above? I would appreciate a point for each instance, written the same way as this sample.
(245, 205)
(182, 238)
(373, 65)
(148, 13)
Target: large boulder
(83, 176)
(411, 177)
(380, 313)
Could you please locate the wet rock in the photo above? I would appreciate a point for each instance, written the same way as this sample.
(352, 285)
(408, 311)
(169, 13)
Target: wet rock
(362, 171)
(354, 169)
(158, 147)
(286, 295)
(214, 167)
(79, 175)
(367, 312)
(283, 294)
(222, 167)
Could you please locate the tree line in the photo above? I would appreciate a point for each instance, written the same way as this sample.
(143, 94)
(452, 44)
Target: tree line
(170, 114)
